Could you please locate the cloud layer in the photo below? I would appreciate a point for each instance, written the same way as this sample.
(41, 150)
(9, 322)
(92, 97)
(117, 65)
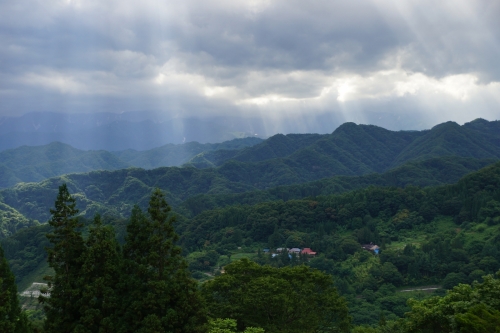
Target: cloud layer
(421, 62)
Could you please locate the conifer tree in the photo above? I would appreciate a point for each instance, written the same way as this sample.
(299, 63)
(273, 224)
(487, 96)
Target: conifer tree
(158, 292)
(65, 257)
(99, 277)
(12, 320)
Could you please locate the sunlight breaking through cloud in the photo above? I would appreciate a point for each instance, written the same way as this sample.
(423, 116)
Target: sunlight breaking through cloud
(263, 57)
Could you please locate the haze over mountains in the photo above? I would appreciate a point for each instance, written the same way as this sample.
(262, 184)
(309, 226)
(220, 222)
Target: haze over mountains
(246, 170)
(120, 131)
(31, 164)
(350, 150)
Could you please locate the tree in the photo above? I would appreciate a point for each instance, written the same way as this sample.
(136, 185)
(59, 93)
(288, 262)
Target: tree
(65, 257)
(465, 308)
(478, 319)
(99, 277)
(390, 274)
(158, 293)
(12, 320)
(453, 279)
(229, 326)
(289, 299)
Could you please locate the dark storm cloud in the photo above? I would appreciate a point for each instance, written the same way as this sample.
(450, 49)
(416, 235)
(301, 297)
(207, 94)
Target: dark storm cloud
(278, 59)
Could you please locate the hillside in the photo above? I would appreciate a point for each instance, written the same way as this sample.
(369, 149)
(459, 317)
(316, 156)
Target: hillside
(439, 235)
(115, 192)
(176, 155)
(280, 160)
(277, 146)
(431, 172)
(36, 163)
(474, 198)
(359, 149)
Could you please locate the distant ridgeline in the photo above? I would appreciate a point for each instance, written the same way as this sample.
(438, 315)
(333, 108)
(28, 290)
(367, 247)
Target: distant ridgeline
(295, 158)
(36, 163)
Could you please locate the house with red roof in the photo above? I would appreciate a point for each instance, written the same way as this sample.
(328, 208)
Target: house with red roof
(308, 251)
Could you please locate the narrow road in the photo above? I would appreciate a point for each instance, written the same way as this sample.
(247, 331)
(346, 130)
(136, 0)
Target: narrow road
(423, 288)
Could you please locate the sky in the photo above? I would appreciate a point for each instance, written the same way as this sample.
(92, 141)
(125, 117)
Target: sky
(400, 64)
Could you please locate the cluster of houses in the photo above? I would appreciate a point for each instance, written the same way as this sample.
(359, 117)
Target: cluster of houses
(295, 250)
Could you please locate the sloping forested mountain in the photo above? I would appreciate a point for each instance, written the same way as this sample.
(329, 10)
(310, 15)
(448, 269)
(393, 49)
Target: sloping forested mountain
(33, 164)
(276, 146)
(176, 155)
(478, 139)
(474, 197)
(253, 173)
(36, 163)
(431, 172)
(193, 190)
(358, 149)
(280, 160)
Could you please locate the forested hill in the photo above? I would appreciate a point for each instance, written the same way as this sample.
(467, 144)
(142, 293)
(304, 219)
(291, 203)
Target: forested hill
(276, 146)
(430, 172)
(176, 155)
(358, 149)
(36, 163)
(280, 160)
(391, 211)
(115, 192)
(445, 153)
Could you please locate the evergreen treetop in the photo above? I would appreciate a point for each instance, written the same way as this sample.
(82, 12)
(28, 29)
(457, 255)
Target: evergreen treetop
(65, 257)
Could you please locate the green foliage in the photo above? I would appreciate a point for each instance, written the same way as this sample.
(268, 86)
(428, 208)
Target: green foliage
(465, 308)
(479, 318)
(229, 326)
(12, 320)
(25, 250)
(65, 257)
(99, 276)
(12, 221)
(157, 292)
(290, 299)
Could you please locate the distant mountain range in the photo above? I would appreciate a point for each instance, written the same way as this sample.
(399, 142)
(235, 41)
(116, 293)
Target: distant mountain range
(36, 163)
(121, 131)
(350, 150)
(357, 149)
(247, 170)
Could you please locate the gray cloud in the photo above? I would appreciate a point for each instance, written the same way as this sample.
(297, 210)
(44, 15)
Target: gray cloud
(421, 62)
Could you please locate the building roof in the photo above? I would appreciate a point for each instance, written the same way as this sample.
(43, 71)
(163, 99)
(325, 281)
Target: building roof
(307, 250)
(370, 247)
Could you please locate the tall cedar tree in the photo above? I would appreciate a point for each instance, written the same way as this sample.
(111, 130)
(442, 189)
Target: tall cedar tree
(65, 257)
(99, 277)
(158, 293)
(12, 320)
